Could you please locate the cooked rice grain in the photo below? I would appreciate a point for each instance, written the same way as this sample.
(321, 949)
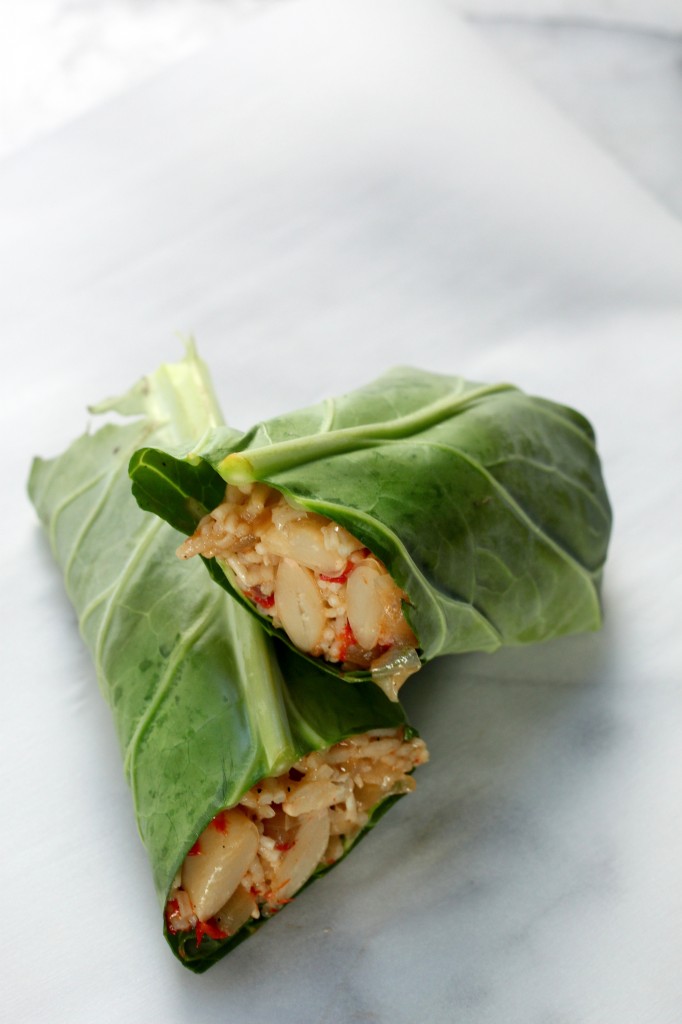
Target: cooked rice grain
(342, 784)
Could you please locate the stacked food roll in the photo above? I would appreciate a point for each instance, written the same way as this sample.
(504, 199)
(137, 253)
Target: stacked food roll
(259, 719)
(421, 515)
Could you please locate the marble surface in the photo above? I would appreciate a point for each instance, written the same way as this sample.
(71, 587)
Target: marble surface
(376, 195)
(618, 79)
(612, 66)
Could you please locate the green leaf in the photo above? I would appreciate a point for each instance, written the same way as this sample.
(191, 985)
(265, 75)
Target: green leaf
(487, 505)
(204, 705)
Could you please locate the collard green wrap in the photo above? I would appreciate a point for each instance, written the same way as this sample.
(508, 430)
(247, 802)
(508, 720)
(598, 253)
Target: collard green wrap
(486, 505)
(204, 704)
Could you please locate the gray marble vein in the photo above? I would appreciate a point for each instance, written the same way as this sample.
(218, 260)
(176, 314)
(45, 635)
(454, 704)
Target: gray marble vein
(621, 82)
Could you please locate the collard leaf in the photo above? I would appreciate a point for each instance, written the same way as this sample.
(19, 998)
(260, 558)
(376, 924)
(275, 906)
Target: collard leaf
(486, 505)
(203, 705)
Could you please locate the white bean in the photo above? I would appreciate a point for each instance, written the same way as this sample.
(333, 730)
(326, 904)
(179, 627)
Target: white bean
(298, 863)
(237, 911)
(304, 541)
(225, 850)
(365, 604)
(299, 605)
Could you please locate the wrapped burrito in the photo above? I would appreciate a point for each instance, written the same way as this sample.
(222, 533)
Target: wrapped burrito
(251, 771)
(417, 516)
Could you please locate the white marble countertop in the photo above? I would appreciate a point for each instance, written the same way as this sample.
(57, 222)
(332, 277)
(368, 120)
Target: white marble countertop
(316, 203)
(612, 66)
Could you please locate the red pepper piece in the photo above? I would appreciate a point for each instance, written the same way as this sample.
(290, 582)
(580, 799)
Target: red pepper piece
(220, 822)
(195, 851)
(350, 565)
(285, 845)
(261, 599)
(209, 928)
(347, 640)
(343, 577)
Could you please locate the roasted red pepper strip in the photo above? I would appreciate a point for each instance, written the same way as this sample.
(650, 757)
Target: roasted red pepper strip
(350, 565)
(343, 577)
(347, 640)
(209, 928)
(261, 599)
(220, 822)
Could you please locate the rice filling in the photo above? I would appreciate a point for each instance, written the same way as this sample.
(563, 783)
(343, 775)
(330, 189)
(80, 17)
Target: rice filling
(252, 859)
(322, 586)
